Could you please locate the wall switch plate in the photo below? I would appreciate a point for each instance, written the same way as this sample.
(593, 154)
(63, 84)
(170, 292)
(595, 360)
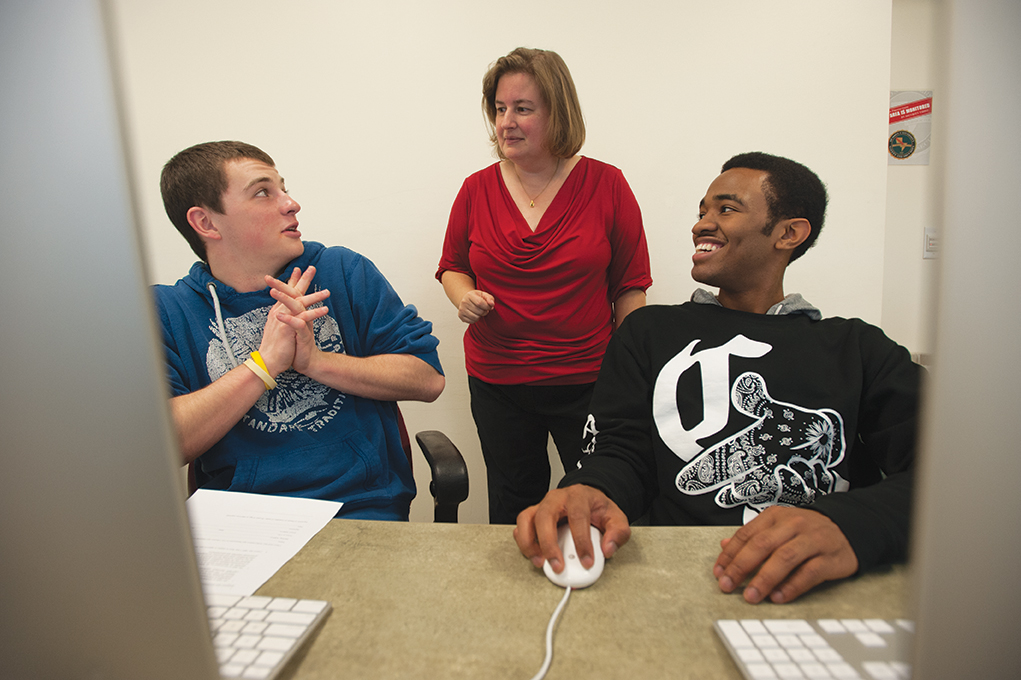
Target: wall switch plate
(930, 249)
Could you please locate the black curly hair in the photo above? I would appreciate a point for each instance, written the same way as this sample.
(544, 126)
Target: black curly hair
(791, 190)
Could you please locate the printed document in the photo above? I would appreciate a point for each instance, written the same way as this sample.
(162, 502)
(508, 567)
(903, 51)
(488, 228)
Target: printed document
(242, 539)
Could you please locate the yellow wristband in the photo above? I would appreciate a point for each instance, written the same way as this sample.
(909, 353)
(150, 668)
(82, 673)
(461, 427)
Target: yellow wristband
(258, 370)
(259, 360)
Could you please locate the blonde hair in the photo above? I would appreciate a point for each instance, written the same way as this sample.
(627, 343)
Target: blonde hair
(565, 133)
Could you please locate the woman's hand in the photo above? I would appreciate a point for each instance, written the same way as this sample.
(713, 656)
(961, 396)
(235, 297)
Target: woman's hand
(474, 305)
(471, 304)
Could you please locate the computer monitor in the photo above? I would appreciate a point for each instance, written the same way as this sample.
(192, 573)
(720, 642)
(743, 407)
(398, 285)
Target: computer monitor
(98, 577)
(967, 529)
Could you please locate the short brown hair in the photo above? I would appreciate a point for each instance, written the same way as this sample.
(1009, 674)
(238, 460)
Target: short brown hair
(197, 176)
(565, 133)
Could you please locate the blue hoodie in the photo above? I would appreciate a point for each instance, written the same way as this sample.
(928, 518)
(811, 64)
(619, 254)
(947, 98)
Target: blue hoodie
(302, 438)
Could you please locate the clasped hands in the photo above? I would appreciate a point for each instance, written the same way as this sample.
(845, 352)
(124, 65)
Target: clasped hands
(288, 340)
(782, 553)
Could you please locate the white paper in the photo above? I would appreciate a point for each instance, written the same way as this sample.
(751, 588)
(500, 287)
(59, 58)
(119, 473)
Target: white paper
(241, 539)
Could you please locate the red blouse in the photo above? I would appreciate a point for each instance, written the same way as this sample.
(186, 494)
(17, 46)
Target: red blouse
(554, 287)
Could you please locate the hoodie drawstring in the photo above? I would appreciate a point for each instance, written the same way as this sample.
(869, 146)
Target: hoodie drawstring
(219, 322)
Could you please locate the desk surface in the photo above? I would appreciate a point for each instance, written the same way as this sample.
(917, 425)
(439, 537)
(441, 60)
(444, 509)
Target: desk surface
(459, 601)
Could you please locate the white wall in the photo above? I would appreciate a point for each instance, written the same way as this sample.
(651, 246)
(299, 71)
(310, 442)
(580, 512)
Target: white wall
(913, 198)
(372, 114)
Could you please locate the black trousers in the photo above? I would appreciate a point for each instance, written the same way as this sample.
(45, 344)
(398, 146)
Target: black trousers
(514, 423)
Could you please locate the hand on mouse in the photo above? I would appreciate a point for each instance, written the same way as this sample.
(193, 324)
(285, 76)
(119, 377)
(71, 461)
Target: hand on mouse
(575, 575)
(536, 531)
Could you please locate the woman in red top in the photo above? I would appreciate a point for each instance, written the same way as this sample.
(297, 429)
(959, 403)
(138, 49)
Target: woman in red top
(544, 256)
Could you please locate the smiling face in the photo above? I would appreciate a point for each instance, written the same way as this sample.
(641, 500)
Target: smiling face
(521, 119)
(735, 237)
(258, 226)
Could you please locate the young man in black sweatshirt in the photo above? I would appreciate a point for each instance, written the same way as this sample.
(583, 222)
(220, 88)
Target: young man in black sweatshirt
(748, 408)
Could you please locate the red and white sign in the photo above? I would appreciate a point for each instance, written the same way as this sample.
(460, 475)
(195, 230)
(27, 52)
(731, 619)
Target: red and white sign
(910, 131)
(922, 107)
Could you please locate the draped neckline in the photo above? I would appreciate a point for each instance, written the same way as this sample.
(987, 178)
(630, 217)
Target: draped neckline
(554, 211)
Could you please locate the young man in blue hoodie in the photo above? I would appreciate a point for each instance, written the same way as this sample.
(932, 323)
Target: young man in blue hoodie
(285, 357)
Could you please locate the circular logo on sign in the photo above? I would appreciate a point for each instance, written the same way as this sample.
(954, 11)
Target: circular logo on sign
(902, 144)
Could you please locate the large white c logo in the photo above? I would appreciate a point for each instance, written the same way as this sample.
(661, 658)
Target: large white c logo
(715, 366)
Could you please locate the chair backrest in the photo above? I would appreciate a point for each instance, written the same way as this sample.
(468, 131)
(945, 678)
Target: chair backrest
(405, 439)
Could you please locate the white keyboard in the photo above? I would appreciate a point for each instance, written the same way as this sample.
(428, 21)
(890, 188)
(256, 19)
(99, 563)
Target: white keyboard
(870, 649)
(254, 637)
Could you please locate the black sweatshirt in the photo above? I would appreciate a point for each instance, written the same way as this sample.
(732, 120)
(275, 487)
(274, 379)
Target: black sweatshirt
(705, 415)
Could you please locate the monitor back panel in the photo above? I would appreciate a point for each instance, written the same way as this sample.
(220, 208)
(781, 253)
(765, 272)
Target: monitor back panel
(97, 572)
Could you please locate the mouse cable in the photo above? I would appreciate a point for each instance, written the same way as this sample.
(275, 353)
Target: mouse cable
(549, 636)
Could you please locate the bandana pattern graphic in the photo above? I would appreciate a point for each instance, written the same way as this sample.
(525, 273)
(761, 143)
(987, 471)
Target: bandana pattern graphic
(787, 456)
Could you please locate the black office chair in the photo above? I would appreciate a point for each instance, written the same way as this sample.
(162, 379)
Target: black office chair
(449, 484)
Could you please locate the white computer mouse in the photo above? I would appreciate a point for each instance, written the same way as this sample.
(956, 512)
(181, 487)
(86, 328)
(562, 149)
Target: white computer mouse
(574, 574)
